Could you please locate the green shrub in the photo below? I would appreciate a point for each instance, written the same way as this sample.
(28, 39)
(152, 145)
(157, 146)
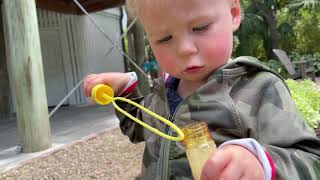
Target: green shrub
(276, 66)
(307, 98)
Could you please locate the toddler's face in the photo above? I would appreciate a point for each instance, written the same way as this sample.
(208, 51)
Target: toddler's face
(191, 38)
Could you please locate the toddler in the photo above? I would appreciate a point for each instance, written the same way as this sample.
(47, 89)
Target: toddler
(247, 106)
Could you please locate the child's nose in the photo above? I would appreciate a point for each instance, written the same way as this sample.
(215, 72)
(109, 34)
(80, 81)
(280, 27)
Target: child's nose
(186, 47)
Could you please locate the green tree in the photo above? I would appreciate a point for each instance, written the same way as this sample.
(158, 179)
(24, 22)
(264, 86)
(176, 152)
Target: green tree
(307, 32)
(260, 22)
(269, 24)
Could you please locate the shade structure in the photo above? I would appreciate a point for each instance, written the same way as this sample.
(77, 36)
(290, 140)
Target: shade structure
(69, 7)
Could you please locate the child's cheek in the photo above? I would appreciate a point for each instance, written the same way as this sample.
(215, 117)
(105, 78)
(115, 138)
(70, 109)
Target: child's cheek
(166, 62)
(220, 53)
(211, 52)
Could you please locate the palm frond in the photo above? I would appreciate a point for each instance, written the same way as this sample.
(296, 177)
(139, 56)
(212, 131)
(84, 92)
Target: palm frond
(311, 4)
(250, 22)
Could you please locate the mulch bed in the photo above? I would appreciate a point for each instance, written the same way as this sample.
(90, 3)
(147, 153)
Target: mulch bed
(109, 155)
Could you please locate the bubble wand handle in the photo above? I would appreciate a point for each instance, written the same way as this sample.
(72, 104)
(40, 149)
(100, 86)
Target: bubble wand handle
(104, 95)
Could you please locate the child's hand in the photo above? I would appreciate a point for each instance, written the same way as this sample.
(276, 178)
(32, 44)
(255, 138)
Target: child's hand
(232, 162)
(117, 81)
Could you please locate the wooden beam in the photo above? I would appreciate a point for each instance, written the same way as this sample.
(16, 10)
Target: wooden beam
(57, 6)
(26, 74)
(139, 45)
(98, 5)
(69, 7)
(4, 79)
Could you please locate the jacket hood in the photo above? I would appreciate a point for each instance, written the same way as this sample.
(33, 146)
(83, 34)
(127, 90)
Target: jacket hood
(245, 64)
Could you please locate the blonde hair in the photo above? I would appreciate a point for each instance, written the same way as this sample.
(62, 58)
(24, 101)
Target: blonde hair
(135, 6)
(132, 7)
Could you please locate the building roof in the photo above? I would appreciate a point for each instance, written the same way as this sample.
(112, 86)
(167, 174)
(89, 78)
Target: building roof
(69, 7)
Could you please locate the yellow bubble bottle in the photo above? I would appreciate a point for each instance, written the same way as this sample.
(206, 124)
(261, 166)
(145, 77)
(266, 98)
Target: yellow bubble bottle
(198, 146)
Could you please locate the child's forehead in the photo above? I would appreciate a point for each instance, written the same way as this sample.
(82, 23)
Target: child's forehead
(142, 4)
(158, 20)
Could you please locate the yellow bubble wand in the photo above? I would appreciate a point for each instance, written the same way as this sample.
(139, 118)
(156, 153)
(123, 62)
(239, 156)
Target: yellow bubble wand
(104, 95)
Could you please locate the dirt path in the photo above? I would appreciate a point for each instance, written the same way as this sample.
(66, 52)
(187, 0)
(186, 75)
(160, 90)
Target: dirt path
(107, 156)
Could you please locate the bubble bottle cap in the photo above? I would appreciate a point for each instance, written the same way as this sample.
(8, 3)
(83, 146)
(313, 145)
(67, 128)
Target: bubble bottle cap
(100, 94)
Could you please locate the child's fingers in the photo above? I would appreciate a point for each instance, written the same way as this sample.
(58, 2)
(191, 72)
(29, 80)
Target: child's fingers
(94, 81)
(115, 80)
(232, 171)
(87, 83)
(215, 165)
(233, 162)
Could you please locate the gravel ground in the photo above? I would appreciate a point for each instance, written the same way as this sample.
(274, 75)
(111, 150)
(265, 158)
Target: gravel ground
(109, 155)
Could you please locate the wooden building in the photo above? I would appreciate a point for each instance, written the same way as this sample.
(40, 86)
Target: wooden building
(71, 47)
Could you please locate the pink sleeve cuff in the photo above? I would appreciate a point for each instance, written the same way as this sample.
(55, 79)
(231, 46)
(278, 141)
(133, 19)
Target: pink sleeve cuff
(254, 147)
(131, 85)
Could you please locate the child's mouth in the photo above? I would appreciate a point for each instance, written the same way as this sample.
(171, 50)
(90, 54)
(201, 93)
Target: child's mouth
(194, 69)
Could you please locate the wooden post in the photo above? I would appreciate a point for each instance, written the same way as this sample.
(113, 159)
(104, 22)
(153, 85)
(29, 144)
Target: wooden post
(26, 73)
(4, 79)
(139, 44)
(136, 50)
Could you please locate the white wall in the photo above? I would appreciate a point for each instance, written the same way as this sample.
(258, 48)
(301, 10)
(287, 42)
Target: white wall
(72, 47)
(91, 45)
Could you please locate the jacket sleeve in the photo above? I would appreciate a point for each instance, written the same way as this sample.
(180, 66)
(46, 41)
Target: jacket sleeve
(281, 130)
(128, 127)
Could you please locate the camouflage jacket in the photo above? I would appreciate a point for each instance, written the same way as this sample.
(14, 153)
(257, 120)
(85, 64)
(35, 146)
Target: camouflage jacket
(242, 99)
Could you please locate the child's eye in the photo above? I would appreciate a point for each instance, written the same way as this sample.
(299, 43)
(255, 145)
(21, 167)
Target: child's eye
(200, 28)
(165, 39)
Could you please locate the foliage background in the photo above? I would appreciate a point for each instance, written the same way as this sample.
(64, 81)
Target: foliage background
(293, 26)
(307, 99)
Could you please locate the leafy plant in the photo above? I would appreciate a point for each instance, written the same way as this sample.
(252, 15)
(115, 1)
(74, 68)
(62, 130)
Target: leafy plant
(280, 24)
(307, 99)
(276, 66)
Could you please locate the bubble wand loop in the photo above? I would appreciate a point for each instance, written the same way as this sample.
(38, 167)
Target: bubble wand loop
(104, 95)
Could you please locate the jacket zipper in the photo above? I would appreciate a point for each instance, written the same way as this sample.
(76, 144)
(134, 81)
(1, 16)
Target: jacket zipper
(165, 148)
(164, 160)
(165, 145)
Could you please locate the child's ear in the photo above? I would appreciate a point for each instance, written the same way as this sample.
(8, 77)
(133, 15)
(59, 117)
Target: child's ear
(236, 14)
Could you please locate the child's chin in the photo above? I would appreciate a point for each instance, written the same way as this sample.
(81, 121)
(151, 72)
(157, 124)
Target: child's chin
(199, 78)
